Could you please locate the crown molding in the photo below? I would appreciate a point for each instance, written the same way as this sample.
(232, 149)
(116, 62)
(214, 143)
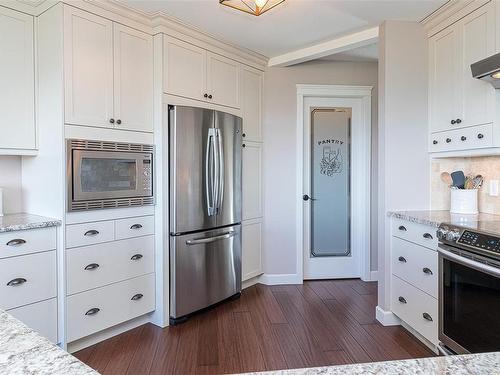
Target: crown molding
(449, 13)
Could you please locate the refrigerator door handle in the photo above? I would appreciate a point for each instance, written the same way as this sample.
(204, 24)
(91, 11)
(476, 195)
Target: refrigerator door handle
(220, 186)
(216, 177)
(223, 236)
(209, 172)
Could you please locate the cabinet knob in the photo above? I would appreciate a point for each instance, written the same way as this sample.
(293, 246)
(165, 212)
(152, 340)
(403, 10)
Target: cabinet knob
(427, 316)
(402, 299)
(402, 259)
(448, 140)
(434, 142)
(93, 311)
(91, 267)
(480, 136)
(205, 95)
(427, 236)
(458, 121)
(463, 138)
(402, 228)
(427, 271)
(209, 96)
(17, 281)
(453, 122)
(111, 120)
(118, 121)
(136, 257)
(137, 297)
(136, 226)
(16, 242)
(91, 233)
(243, 145)
(243, 135)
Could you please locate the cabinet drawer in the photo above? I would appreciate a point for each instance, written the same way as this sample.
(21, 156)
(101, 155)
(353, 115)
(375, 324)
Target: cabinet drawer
(27, 242)
(416, 308)
(94, 266)
(98, 309)
(89, 233)
(41, 317)
(416, 265)
(27, 279)
(420, 234)
(134, 227)
(462, 139)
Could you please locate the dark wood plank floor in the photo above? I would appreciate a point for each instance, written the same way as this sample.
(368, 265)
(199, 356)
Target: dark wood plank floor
(269, 328)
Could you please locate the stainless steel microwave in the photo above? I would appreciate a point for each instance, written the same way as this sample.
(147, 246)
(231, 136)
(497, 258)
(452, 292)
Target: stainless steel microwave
(108, 174)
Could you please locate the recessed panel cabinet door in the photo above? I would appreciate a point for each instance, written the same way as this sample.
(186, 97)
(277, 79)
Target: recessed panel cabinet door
(88, 68)
(477, 42)
(185, 69)
(223, 80)
(251, 103)
(17, 90)
(251, 249)
(444, 79)
(252, 180)
(133, 79)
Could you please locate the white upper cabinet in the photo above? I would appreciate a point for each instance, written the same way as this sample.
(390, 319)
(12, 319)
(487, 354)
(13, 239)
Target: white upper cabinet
(133, 79)
(108, 71)
(88, 68)
(457, 99)
(251, 103)
(185, 69)
(195, 73)
(17, 83)
(223, 80)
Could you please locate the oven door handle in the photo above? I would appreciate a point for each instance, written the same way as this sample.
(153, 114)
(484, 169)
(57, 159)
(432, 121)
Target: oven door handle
(442, 249)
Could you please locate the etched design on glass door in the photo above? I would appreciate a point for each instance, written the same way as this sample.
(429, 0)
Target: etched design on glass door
(330, 182)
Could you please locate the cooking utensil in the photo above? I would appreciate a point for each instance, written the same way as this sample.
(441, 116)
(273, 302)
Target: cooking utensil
(458, 178)
(446, 178)
(477, 181)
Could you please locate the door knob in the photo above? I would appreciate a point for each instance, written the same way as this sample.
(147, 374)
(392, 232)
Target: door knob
(307, 197)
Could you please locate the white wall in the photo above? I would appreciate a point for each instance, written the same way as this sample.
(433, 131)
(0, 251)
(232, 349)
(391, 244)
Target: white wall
(10, 181)
(279, 169)
(404, 167)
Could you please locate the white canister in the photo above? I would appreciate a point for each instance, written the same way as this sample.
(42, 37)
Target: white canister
(464, 201)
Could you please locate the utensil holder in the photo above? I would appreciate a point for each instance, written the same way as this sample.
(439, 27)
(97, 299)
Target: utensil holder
(463, 201)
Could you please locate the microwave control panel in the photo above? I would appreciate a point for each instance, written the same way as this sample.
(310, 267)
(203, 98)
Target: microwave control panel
(146, 167)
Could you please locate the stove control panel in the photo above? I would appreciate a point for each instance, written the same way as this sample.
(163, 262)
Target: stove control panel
(480, 241)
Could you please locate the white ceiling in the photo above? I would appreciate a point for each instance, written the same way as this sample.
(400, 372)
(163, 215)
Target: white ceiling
(292, 25)
(367, 53)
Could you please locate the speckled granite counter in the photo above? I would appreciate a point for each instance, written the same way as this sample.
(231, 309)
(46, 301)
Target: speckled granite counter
(472, 364)
(22, 221)
(435, 218)
(23, 352)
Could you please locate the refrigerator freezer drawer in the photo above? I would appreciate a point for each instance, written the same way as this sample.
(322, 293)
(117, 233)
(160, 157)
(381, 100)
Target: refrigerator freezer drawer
(205, 269)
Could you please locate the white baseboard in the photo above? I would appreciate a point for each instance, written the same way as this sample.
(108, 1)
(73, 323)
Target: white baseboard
(250, 282)
(424, 341)
(280, 279)
(387, 318)
(85, 342)
(373, 275)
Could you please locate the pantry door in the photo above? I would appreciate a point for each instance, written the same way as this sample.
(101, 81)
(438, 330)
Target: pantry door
(336, 188)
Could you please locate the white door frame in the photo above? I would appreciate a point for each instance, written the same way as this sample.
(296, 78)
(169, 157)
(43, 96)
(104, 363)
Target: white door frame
(361, 208)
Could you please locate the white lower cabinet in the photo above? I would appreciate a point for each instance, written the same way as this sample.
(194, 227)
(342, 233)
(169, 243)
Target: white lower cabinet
(252, 180)
(251, 249)
(95, 310)
(414, 279)
(41, 317)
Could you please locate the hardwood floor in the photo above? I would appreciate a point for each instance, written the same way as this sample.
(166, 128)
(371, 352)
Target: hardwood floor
(318, 323)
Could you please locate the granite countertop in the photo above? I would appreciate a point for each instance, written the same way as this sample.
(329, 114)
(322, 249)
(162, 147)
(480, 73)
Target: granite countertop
(23, 221)
(435, 218)
(488, 363)
(23, 351)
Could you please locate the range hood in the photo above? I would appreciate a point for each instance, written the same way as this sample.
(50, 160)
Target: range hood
(488, 70)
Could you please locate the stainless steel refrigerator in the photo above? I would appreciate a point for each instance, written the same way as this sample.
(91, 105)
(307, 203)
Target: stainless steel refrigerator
(205, 208)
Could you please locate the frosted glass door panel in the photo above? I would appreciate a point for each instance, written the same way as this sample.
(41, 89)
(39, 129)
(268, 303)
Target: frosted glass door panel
(330, 182)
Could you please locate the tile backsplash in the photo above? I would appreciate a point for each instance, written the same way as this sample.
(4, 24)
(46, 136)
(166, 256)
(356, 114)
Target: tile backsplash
(487, 166)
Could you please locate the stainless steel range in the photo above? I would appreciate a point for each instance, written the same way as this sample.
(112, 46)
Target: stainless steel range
(469, 288)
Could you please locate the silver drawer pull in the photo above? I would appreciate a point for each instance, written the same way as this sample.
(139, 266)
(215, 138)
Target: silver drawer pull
(428, 236)
(136, 257)
(92, 311)
(402, 228)
(91, 233)
(427, 317)
(427, 271)
(16, 282)
(136, 226)
(91, 267)
(16, 242)
(137, 297)
(402, 300)
(402, 259)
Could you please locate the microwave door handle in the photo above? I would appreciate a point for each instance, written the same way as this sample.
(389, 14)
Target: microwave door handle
(220, 194)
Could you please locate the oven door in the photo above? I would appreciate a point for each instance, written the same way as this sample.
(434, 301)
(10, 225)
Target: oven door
(101, 175)
(469, 303)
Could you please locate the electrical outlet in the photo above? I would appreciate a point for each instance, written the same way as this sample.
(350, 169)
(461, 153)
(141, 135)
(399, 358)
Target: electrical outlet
(494, 188)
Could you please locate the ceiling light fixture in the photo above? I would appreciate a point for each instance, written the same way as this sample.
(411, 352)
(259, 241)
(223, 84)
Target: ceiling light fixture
(255, 7)
(495, 75)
